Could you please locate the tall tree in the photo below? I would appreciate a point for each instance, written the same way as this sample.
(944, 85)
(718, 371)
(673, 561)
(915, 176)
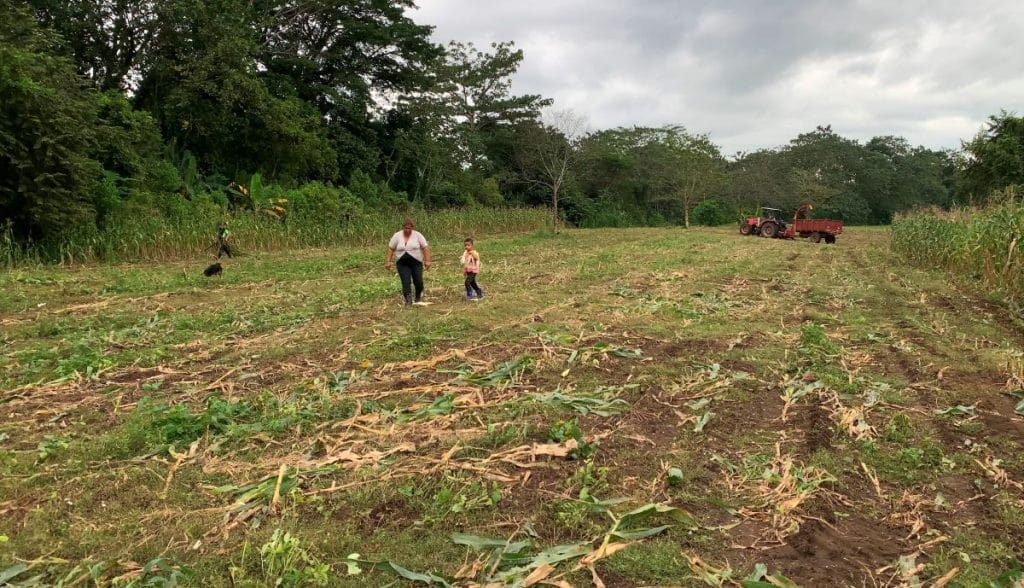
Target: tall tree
(48, 116)
(995, 157)
(472, 92)
(681, 166)
(835, 174)
(206, 88)
(760, 178)
(109, 40)
(550, 152)
(914, 176)
(351, 60)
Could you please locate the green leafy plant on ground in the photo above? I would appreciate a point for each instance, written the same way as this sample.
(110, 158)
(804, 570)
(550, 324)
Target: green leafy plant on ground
(51, 446)
(459, 497)
(159, 572)
(285, 562)
(563, 431)
(511, 562)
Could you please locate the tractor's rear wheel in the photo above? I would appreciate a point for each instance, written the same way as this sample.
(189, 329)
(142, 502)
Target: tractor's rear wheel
(816, 237)
(830, 239)
(769, 230)
(745, 229)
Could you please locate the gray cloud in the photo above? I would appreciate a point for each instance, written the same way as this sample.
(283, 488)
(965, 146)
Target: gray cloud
(756, 73)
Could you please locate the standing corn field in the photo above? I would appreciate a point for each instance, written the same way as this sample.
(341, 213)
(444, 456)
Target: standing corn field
(188, 232)
(981, 244)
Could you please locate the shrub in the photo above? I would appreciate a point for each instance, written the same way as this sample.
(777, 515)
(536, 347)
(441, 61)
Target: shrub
(375, 194)
(312, 200)
(712, 213)
(486, 192)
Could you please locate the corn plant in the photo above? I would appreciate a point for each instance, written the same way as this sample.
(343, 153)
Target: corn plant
(708, 573)
(125, 574)
(506, 374)
(258, 497)
(760, 578)
(601, 402)
(602, 350)
(703, 422)
(441, 406)
(1018, 397)
(507, 562)
(793, 391)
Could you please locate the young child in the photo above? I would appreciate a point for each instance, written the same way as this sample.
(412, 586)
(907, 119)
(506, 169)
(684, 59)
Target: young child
(471, 267)
(223, 240)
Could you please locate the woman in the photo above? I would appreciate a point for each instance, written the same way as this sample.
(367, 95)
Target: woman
(413, 255)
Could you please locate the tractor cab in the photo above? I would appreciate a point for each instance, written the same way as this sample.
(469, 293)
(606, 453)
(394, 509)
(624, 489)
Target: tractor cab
(774, 215)
(770, 224)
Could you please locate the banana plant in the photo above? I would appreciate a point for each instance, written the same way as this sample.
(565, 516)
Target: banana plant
(258, 198)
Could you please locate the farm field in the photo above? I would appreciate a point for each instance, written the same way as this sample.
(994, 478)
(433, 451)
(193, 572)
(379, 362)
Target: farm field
(627, 407)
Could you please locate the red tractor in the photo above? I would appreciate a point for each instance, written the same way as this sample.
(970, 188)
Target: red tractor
(771, 224)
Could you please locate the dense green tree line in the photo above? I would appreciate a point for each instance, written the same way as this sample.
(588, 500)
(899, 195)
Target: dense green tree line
(860, 183)
(118, 108)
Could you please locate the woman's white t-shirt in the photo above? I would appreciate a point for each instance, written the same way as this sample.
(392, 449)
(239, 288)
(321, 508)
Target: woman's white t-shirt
(413, 246)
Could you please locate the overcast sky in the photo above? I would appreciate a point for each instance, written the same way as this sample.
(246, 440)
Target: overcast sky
(756, 73)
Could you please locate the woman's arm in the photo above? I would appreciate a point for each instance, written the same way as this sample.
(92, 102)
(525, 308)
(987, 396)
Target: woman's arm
(391, 255)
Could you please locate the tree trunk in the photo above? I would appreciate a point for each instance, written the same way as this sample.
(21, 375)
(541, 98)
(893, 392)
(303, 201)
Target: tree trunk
(554, 209)
(688, 198)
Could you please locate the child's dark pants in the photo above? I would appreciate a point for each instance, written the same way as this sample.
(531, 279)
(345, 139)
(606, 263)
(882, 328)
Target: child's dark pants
(471, 286)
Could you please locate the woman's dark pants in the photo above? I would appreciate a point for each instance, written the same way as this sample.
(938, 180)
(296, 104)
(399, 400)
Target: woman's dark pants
(410, 271)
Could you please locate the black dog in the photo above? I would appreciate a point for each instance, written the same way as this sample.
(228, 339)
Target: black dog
(214, 270)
